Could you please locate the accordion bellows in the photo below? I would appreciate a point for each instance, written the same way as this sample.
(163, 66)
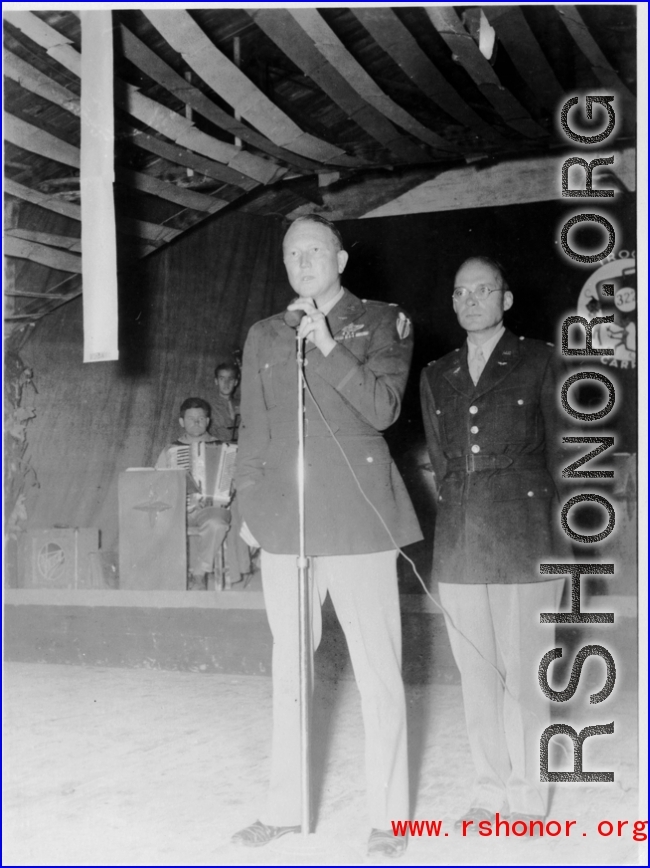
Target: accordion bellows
(211, 467)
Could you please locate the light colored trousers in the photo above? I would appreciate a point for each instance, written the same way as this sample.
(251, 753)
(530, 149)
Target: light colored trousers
(505, 709)
(363, 589)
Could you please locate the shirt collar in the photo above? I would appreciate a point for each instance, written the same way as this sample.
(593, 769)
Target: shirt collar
(487, 347)
(327, 307)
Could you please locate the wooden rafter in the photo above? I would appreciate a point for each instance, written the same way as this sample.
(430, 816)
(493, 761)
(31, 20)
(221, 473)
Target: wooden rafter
(37, 141)
(182, 157)
(156, 68)
(66, 242)
(524, 50)
(280, 26)
(184, 35)
(492, 186)
(38, 83)
(170, 192)
(331, 47)
(51, 203)
(54, 43)
(600, 66)
(24, 249)
(389, 32)
(182, 131)
(466, 52)
(143, 108)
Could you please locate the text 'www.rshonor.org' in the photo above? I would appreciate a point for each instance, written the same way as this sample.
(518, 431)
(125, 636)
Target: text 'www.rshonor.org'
(503, 828)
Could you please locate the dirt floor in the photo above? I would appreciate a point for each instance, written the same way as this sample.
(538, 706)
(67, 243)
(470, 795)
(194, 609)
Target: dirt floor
(148, 767)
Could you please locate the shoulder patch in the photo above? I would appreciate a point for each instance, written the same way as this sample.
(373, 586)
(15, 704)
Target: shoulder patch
(403, 325)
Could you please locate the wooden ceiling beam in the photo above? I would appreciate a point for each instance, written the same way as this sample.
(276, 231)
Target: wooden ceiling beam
(511, 182)
(465, 51)
(182, 157)
(37, 141)
(61, 260)
(601, 67)
(169, 192)
(182, 131)
(331, 47)
(286, 32)
(141, 107)
(148, 61)
(66, 242)
(55, 44)
(225, 79)
(394, 38)
(37, 82)
(524, 50)
(43, 200)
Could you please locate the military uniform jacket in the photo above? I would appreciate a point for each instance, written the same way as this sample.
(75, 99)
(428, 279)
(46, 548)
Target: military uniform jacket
(223, 417)
(496, 451)
(358, 388)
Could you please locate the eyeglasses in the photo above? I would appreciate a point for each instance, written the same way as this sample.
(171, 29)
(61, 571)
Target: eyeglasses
(481, 292)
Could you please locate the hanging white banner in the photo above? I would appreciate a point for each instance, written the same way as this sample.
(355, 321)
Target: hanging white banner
(99, 261)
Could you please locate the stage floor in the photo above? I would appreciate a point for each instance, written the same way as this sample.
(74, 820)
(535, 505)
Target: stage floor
(149, 767)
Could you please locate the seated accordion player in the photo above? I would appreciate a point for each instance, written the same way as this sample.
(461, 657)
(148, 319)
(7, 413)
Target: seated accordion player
(210, 468)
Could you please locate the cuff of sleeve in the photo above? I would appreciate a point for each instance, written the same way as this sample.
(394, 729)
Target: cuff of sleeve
(338, 368)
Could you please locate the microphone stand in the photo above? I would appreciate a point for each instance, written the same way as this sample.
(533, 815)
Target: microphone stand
(304, 608)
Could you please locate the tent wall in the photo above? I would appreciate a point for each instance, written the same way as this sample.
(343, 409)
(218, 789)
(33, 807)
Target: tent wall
(181, 312)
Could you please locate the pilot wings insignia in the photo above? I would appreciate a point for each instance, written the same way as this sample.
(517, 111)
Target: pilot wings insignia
(351, 330)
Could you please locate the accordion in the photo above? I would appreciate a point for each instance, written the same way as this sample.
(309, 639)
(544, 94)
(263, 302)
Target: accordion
(210, 468)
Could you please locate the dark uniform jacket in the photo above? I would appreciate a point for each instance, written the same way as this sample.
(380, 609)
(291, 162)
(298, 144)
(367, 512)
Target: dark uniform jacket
(358, 388)
(222, 423)
(496, 450)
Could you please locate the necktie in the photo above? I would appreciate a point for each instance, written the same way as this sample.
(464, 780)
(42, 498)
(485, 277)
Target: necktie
(476, 365)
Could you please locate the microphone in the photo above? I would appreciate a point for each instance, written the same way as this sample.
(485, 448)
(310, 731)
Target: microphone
(293, 318)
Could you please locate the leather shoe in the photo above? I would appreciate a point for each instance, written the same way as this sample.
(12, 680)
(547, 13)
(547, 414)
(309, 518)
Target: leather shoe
(384, 843)
(258, 834)
(475, 814)
(526, 818)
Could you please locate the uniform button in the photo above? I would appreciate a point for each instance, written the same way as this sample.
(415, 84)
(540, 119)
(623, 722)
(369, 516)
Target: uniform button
(473, 409)
(474, 429)
(306, 362)
(370, 459)
(440, 497)
(476, 448)
(520, 401)
(438, 412)
(531, 494)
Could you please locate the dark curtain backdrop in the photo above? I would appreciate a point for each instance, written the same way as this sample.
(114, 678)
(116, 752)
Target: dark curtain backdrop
(181, 312)
(186, 308)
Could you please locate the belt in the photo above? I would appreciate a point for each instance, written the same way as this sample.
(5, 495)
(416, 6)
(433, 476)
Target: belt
(474, 463)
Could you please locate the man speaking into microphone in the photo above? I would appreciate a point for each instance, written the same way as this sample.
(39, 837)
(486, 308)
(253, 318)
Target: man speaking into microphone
(357, 512)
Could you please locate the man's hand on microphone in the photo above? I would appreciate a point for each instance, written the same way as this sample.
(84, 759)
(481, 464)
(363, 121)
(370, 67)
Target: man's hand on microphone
(313, 325)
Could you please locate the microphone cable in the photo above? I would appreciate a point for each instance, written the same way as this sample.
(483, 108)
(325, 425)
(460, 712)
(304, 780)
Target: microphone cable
(398, 548)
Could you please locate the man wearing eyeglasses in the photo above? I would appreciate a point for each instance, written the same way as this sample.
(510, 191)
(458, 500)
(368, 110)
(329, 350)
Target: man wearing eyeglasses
(491, 415)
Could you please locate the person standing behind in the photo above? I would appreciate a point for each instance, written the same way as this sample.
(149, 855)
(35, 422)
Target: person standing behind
(224, 426)
(492, 422)
(225, 407)
(357, 357)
